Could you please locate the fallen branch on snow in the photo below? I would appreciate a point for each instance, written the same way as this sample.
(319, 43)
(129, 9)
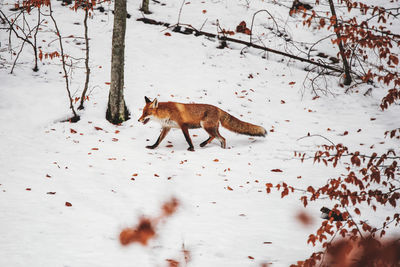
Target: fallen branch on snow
(188, 29)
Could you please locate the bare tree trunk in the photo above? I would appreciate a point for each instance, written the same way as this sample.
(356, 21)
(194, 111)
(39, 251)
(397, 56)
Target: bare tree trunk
(36, 68)
(145, 7)
(117, 111)
(76, 117)
(86, 59)
(346, 66)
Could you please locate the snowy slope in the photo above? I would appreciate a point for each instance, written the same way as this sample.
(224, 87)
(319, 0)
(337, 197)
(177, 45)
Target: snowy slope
(111, 179)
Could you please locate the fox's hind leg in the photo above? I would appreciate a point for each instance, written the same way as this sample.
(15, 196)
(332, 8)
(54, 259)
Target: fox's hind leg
(213, 132)
(220, 138)
(207, 141)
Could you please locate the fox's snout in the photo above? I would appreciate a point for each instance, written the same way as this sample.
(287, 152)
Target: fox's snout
(143, 120)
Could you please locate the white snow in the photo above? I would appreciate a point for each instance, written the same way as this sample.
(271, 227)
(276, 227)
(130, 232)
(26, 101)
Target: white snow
(94, 169)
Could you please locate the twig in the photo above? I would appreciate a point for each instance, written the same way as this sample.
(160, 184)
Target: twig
(318, 135)
(202, 25)
(65, 37)
(351, 218)
(86, 60)
(252, 21)
(314, 44)
(16, 58)
(180, 11)
(35, 69)
(347, 155)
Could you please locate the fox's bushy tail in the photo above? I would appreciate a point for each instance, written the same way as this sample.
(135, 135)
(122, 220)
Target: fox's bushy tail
(235, 125)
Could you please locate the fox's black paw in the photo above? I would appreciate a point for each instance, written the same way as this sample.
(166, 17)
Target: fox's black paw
(150, 147)
(190, 149)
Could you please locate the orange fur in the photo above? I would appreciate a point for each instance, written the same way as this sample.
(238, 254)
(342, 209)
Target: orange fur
(190, 116)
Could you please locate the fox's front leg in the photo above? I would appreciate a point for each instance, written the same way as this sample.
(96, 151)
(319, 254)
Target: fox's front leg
(163, 133)
(187, 137)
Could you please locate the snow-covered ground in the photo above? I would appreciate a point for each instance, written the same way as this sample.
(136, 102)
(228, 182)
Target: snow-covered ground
(225, 217)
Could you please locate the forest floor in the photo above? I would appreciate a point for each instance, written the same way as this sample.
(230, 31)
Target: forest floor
(109, 178)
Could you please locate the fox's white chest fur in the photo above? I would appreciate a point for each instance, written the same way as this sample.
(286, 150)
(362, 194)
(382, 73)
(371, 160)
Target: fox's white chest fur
(167, 123)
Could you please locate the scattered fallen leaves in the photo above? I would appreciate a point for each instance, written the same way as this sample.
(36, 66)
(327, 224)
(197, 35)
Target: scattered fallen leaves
(304, 218)
(242, 28)
(172, 263)
(269, 186)
(170, 207)
(276, 170)
(141, 234)
(145, 230)
(68, 204)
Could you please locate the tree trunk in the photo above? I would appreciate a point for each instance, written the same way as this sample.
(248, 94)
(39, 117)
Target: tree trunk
(117, 111)
(346, 66)
(36, 68)
(145, 7)
(75, 118)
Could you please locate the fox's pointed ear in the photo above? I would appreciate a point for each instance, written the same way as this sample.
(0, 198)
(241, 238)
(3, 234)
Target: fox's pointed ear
(147, 99)
(154, 104)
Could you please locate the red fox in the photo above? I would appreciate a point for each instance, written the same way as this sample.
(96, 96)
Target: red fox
(191, 116)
